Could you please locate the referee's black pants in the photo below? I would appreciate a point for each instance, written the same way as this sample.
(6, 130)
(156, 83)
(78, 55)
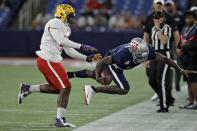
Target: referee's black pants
(160, 79)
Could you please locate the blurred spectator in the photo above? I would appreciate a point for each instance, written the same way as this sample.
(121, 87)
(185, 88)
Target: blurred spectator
(108, 5)
(142, 19)
(177, 16)
(69, 2)
(4, 4)
(103, 11)
(194, 8)
(186, 59)
(40, 20)
(178, 9)
(127, 21)
(100, 21)
(86, 18)
(93, 4)
(116, 21)
(130, 22)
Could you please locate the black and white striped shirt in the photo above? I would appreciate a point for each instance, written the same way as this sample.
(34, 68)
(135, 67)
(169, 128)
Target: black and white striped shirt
(166, 30)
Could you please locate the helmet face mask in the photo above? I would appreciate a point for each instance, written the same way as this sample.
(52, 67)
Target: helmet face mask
(65, 13)
(139, 50)
(70, 18)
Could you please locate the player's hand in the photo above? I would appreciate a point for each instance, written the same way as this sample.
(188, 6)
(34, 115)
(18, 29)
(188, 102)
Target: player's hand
(147, 64)
(88, 48)
(187, 72)
(94, 57)
(101, 80)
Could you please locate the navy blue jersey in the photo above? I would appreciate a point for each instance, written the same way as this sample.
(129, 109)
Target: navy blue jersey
(122, 57)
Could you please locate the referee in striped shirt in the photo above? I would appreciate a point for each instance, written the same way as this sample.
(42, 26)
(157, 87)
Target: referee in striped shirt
(160, 74)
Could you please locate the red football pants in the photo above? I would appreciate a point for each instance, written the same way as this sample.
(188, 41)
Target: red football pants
(54, 73)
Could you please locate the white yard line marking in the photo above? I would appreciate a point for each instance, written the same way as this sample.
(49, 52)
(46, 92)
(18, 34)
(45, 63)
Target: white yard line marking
(143, 117)
(34, 111)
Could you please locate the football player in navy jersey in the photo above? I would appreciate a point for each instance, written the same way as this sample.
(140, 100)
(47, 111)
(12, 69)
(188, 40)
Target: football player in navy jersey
(123, 57)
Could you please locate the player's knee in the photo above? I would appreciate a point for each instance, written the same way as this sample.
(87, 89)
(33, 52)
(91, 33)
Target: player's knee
(65, 91)
(89, 73)
(124, 91)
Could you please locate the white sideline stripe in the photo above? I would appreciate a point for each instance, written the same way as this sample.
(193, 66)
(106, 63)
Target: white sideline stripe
(58, 77)
(143, 117)
(7, 122)
(116, 77)
(34, 111)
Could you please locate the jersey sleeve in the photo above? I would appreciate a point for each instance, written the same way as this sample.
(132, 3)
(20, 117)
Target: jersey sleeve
(58, 32)
(74, 54)
(152, 53)
(146, 27)
(172, 24)
(119, 57)
(167, 31)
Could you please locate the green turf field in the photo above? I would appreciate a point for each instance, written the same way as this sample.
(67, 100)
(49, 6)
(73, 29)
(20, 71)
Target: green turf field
(39, 110)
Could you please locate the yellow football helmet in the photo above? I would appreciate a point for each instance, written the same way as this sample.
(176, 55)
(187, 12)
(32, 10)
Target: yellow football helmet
(65, 12)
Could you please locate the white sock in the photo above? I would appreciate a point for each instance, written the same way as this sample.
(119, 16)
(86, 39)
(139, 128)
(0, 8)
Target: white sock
(34, 88)
(60, 112)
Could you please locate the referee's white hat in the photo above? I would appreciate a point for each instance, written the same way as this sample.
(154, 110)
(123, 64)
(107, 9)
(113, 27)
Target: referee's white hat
(193, 8)
(159, 1)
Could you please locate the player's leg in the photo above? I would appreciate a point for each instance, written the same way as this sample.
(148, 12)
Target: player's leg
(81, 74)
(122, 86)
(60, 82)
(177, 80)
(151, 73)
(26, 89)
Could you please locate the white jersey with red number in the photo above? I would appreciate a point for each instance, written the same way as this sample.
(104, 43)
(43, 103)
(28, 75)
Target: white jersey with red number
(55, 39)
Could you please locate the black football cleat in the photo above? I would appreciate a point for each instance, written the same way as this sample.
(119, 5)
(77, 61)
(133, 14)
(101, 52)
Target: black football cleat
(171, 103)
(162, 110)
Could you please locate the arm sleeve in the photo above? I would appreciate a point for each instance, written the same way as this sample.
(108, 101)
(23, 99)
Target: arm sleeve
(58, 32)
(58, 35)
(152, 53)
(146, 27)
(167, 31)
(172, 24)
(74, 54)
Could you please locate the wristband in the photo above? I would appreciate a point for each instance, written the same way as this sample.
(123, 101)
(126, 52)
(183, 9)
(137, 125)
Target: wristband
(181, 71)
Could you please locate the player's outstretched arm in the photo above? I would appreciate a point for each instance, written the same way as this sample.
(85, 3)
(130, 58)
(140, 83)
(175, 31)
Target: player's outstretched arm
(105, 61)
(160, 57)
(75, 54)
(57, 31)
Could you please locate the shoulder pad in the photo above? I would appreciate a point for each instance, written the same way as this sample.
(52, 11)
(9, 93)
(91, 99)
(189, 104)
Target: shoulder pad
(56, 23)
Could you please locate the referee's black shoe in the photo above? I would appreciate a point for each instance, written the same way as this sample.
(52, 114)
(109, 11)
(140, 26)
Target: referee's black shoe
(171, 102)
(162, 110)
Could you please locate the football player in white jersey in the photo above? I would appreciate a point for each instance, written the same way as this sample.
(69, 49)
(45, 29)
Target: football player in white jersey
(54, 40)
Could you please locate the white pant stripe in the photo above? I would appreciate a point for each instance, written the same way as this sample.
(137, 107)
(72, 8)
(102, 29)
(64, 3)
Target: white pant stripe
(163, 81)
(116, 77)
(58, 77)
